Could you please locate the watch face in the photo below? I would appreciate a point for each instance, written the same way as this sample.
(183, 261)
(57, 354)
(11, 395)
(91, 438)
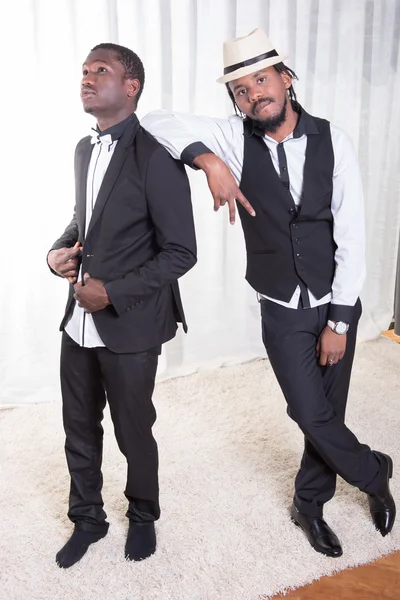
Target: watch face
(341, 327)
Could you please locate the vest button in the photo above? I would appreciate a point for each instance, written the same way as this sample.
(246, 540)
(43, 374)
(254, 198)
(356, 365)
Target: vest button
(294, 225)
(292, 211)
(298, 255)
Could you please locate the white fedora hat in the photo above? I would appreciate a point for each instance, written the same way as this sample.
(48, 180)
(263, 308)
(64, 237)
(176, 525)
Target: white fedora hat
(245, 55)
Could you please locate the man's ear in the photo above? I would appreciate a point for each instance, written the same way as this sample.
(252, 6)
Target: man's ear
(133, 87)
(287, 80)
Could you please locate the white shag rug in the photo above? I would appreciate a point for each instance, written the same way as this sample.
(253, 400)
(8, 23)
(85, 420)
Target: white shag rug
(228, 457)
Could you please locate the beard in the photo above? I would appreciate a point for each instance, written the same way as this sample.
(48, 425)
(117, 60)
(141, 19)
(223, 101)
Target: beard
(272, 124)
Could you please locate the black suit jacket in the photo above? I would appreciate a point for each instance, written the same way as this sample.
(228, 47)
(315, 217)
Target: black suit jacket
(140, 240)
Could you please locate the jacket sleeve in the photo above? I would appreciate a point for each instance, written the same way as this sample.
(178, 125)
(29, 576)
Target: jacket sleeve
(67, 240)
(169, 202)
(69, 237)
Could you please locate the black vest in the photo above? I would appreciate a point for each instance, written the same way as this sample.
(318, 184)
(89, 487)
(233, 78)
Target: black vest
(285, 244)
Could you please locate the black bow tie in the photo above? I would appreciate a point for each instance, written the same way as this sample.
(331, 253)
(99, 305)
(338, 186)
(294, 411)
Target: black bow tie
(101, 138)
(112, 134)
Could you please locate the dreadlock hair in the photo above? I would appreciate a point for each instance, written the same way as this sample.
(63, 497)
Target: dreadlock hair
(132, 64)
(280, 68)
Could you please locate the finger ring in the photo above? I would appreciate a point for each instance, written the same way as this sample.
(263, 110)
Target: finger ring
(330, 361)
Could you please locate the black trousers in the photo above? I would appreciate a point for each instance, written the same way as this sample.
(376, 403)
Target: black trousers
(316, 398)
(88, 377)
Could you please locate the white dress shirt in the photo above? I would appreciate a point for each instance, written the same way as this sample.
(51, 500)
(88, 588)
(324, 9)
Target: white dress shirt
(224, 137)
(81, 327)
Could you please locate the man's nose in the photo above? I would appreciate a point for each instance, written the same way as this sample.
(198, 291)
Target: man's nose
(254, 95)
(88, 79)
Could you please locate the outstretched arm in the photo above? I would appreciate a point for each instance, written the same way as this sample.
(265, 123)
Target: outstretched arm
(213, 145)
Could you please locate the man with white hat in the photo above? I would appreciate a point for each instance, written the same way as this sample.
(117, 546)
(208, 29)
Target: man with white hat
(304, 234)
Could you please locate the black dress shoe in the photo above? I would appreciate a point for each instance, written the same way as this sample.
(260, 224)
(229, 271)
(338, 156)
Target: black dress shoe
(382, 506)
(319, 534)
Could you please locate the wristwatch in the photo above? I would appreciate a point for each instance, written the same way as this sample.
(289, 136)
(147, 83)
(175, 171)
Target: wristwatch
(338, 327)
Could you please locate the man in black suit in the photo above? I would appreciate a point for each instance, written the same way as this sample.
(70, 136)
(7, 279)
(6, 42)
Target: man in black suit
(131, 237)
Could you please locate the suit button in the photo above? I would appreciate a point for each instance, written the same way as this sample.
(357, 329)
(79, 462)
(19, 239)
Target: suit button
(295, 225)
(298, 255)
(129, 308)
(292, 211)
(297, 240)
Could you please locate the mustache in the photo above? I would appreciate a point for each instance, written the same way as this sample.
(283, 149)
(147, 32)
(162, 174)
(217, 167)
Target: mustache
(261, 101)
(87, 88)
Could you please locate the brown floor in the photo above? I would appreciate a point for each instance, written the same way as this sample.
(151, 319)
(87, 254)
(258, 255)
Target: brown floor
(390, 335)
(377, 581)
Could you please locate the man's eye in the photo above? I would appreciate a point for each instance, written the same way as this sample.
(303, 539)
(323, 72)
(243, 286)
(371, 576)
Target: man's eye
(102, 70)
(84, 72)
(261, 79)
(241, 92)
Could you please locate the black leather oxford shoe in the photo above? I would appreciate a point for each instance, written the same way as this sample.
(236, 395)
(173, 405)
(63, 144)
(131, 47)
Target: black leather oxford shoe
(382, 506)
(319, 534)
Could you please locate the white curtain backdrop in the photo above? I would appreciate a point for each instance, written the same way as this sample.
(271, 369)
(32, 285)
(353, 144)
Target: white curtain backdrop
(346, 54)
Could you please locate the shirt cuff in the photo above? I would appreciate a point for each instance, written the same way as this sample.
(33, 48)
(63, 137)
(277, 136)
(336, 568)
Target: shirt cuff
(341, 312)
(191, 152)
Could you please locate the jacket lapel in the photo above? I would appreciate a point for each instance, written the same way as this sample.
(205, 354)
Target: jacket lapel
(113, 170)
(82, 159)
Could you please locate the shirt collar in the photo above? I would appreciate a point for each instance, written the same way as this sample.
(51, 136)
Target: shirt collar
(306, 125)
(115, 131)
